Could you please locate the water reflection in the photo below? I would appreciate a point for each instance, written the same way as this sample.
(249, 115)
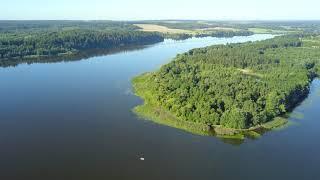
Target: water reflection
(235, 138)
(82, 55)
(74, 121)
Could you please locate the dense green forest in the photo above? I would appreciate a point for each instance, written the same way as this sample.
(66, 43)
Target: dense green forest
(33, 39)
(225, 33)
(69, 41)
(236, 85)
(22, 41)
(218, 34)
(59, 25)
(37, 39)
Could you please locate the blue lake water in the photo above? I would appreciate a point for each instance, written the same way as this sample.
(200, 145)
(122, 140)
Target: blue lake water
(73, 120)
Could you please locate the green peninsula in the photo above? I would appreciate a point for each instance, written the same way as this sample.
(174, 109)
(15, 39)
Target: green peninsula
(231, 90)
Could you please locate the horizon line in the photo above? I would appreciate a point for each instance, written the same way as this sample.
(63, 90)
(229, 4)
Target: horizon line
(128, 20)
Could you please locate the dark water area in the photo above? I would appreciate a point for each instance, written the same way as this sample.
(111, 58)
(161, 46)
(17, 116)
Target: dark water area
(74, 120)
(81, 55)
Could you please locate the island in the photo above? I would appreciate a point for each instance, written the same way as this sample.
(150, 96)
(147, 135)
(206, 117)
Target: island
(233, 90)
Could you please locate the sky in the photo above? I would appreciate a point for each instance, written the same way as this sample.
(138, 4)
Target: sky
(159, 9)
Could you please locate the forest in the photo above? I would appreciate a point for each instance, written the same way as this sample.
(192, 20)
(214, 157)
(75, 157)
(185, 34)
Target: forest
(236, 86)
(38, 39)
(29, 41)
(69, 41)
(34, 39)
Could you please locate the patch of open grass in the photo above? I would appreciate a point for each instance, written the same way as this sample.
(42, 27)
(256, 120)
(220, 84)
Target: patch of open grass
(162, 117)
(249, 72)
(219, 29)
(260, 30)
(161, 29)
(164, 29)
(235, 136)
(252, 134)
(270, 31)
(276, 123)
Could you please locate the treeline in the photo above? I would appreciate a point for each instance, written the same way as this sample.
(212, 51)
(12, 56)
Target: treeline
(225, 33)
(53, 43)
(59, 25)
(81, 55)
(218, 34)
(39, 39)
(177, 36)
(235, 85)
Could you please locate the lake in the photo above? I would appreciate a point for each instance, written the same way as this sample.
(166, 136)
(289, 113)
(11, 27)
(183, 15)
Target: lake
(74, 120)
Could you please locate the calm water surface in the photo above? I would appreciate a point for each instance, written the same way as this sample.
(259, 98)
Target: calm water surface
(73, 120)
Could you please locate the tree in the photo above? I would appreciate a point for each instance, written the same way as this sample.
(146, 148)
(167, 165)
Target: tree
(275, 104)
(234, 118)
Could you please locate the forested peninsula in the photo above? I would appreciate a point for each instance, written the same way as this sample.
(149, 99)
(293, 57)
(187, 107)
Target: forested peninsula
(229, 89)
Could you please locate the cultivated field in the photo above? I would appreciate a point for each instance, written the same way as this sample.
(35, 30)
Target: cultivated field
(162, 29)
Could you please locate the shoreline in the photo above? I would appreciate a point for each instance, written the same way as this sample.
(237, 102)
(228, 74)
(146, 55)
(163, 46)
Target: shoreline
(157, 115)
(75, 55)
(150, 112)
(153, 109)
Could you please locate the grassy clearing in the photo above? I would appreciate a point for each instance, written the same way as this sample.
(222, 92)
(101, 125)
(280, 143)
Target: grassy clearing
(159, 116)
(161, 29)
(276, 123)
(219, 29)
(252, 134)
(311, 43)
(249, 72)
(164, 29)
(260, 30)
(269, 31)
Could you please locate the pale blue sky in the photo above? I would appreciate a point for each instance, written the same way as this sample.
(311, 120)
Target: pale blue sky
(160, 9)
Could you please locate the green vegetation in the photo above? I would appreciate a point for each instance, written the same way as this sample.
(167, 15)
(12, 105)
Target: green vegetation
(180, 24)
(270, 31)
(179, 29)
(39, 39)
(48, 41)
(223, 33)
(43, 26)
(276, 123)
(211, 33)
(185, 30)
(232, 89)
(69, 41)
(273, 27)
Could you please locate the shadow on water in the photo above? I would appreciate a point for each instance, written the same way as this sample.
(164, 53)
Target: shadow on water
(81, 55)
